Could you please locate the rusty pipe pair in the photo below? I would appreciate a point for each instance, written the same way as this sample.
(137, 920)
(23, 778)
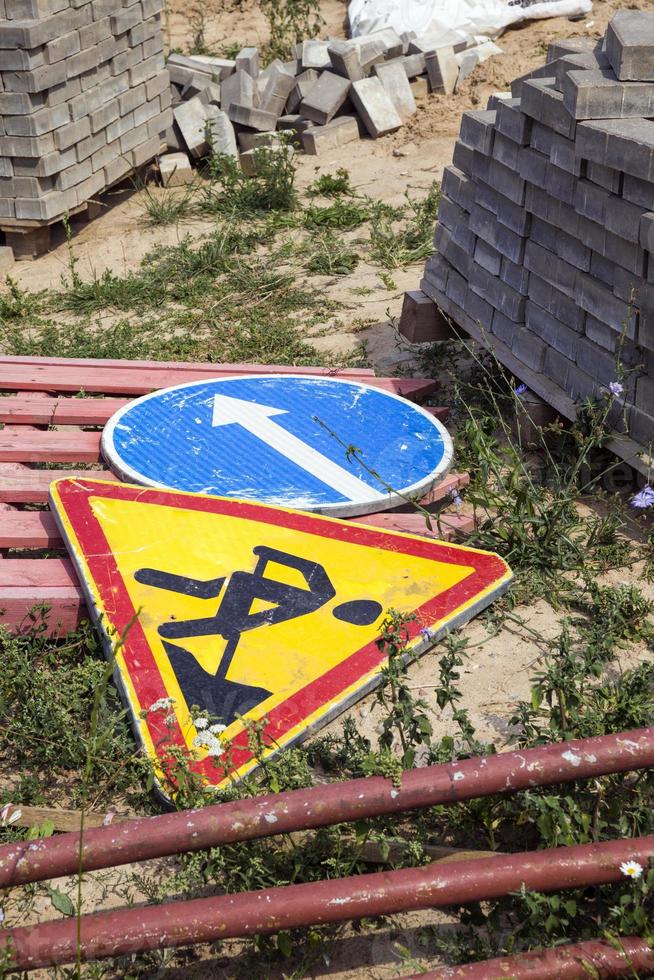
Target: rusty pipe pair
(320, 806)
(174, 924)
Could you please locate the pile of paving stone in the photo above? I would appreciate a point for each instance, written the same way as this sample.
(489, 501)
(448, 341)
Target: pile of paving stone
(331, 93)
(84, 100)
(545, 235)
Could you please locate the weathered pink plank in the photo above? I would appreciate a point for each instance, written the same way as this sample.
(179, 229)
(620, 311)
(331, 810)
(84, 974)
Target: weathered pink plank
(29, 529)
(20, 409)
(188, 366)
(22, 485)
(22, 444)
(450, 524)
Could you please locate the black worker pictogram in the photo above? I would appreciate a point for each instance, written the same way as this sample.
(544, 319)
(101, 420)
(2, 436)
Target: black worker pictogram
(214, 693)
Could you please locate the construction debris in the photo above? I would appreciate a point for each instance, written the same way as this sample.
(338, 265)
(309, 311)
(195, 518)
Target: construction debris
(333, 92)
(545, 236)
(84, 101)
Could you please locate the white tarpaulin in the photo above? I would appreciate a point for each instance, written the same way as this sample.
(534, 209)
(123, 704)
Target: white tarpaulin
(489, 17)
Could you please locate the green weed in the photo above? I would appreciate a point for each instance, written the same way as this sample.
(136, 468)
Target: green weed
(344, 215)
(230, 192)
(290, 21)
(165, 206)
(393, 247)
(331, 185)
(331, 257)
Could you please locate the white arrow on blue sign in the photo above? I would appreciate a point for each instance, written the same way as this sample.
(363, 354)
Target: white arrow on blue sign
(283, 440)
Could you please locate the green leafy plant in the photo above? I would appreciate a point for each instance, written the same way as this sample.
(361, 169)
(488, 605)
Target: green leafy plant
(290, 21)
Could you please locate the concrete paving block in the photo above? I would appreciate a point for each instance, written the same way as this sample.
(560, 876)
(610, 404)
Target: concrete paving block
(484, 195)
(325, 98)
(396, 85)
(315, 54)
(599, 363)
(437, 270)
(529, 349)
(388, 38)
(591, 201)
(413, 64)
(596, 298)
(458, 257)
(498, 293)
(346, 61)
(488, 257)
(506, 151)
(623, 218)
(512, 122)
(644, 392)
(606, 177)
(480, 311)
(550, 268)
(624, 144)
(210, 94)
(191, 117)
(507, 182)
(442, 70)
(641, 427)
(420, 87)
(175, 169)
(541, 101)
(220, 132)
(581, 61)
(496, 98)
(626, 285)
(646, 231)
(457, 288)
(565, 46)
(562, 154)
(247, 60)
(515, 275)
(220, 68)
(238, 89)
(320, 139)
(514, 216)
(252, 161)
(251, 118)
(478, 130)
(625, 254)
(543, 71)
(255, 141)
(561, 184)
(373, 104)
(533, 166)
(630, 45)
(598, 95)
(503, 328)
(467, 62)
(638, 191)
(277, 90)
(463, 157)
(551, 330)
(458, 187)
(557, 368)
(436, 38)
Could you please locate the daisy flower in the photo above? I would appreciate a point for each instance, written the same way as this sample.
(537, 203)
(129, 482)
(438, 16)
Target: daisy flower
(632, 869)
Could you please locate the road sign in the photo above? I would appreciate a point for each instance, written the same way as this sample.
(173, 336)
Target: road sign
(283, 440)
(246, 611)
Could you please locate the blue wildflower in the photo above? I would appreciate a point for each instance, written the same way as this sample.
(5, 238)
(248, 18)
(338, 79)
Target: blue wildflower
(644, 499)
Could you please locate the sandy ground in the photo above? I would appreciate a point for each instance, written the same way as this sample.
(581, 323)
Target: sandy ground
(499, 671)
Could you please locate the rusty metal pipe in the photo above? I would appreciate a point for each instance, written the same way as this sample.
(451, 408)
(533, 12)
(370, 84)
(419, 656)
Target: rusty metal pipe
(578, 961)
(320, 806)
(205, 920)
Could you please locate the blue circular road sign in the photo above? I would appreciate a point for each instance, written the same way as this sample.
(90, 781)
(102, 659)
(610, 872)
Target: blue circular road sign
(319, 444)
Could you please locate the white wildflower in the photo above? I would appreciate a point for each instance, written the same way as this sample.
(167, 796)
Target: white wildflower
(632, 869)
(217, 729)
(200, 723)
(163, 704)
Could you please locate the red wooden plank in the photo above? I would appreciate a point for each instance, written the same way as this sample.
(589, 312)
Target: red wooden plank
(20, 409)
(213, 369)
(29, 529)
(34, 446)
(44, 573)
(450, 524)
(111, 381)
(21, 485)
(19, 609)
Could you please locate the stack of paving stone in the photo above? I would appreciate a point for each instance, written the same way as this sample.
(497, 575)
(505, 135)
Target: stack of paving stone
(84, 100)
(332, 92)
(545, 235)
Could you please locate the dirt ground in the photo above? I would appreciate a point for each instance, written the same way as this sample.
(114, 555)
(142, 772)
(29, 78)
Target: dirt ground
(410, 160)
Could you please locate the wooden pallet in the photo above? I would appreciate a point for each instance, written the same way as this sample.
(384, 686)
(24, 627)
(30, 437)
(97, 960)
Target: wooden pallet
(37, 394)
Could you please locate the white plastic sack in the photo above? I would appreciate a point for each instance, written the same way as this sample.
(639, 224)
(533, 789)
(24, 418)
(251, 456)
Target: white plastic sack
(488, 17)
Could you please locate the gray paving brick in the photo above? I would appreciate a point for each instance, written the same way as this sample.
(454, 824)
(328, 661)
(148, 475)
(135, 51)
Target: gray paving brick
(488, 257)
(533, 166)
(479, 310)
(645, 397)
(551, 330)
(458, 187)
(457, 288)
(486, 196)
(37, 123)
(247, 60)
(557, 368)
(514, 216)
(562, 307)
(624, 144)
(503, 328)
(562, 154)
(580, 61)
(599, 363)
(338, 132)
(376, 109)
(396, 85)
(515, 275)
(478, 130)
(481, 167)
(437, 269)
(462, 155)
(506, 151)
(638, 191)
(626, 284)
(543, 71)
(529, 349)
(641, 427)
(455, 255)
(540, 100)
(506, 182)
(630, 45)
(625, 254)
(561, 184)
(325, 98)
(539, 202)
(606, 177)
(552, 269)
(498, 293)
(566, 46)
(277, 90)
(598, 95)
(591, 201)
(623, 218)
(565, 246)
(512, 122)
(596, 298)
(442, 69)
